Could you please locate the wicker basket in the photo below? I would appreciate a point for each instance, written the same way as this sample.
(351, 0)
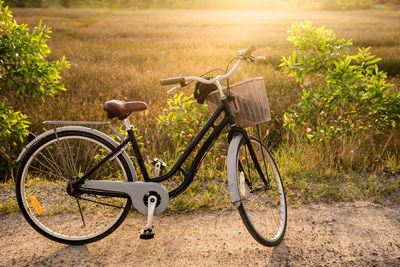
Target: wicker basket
(250, 106)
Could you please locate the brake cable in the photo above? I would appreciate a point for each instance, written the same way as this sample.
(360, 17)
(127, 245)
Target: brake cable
(206, 74)
(227, 78)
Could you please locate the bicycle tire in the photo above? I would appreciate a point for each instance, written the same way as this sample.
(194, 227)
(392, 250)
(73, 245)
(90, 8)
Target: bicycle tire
(42, 194)
(262, 203)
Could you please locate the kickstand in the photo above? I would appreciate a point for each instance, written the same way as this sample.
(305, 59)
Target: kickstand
(148, 232)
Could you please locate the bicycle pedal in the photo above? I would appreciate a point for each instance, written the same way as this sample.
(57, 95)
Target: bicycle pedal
(147, 234)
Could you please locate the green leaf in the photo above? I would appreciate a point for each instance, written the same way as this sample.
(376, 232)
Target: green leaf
(350, 91)
(373, 61)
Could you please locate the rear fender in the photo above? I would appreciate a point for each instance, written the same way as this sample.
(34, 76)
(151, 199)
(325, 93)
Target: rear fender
(82, 129)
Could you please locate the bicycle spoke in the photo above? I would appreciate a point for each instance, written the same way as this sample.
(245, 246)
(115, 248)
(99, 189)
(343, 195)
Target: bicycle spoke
(63, 159)
(245, 176)
(71, 158)
(70, 161)
(91, 158)
(77, 150)
(274, 219)
(37, 170)
(48, 168)
(53, 160)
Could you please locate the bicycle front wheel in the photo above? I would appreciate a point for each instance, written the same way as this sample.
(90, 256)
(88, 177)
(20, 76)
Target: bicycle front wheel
(42, 180)
(263, 203)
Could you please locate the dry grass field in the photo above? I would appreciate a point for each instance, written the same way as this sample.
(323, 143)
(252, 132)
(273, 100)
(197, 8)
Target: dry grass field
(118, 54)
(123, 54)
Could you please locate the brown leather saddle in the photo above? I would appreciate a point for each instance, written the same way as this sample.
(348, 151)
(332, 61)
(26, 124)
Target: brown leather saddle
(122, 109)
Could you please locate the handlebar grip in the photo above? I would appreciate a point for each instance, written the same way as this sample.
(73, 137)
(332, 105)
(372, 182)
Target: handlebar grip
(172, 81)
(249, 50)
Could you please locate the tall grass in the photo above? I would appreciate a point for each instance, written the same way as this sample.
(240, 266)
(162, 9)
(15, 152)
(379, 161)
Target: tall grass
(123, 54)
(117, 54)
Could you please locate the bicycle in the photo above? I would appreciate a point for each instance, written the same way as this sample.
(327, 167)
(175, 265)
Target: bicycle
(76, 185)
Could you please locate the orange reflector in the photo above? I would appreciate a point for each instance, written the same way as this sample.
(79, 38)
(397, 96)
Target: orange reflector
(36, 205)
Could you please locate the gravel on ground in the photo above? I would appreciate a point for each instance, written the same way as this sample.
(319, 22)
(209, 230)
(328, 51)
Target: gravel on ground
(341, 234)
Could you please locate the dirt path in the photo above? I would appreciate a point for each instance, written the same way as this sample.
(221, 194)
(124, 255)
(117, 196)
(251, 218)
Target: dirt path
(345, 234)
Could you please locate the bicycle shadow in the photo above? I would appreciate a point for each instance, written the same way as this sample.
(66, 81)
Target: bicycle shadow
(69, 255)
(280, 255)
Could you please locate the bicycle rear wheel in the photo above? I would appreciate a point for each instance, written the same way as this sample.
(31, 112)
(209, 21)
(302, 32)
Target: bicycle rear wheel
(41, 187)
(263, 203)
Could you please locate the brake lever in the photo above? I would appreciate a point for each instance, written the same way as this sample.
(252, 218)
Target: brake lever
(173, 88)
(251, 59)
(182, 84)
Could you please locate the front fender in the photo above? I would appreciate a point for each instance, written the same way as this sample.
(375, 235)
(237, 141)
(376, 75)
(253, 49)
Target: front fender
(231, 170)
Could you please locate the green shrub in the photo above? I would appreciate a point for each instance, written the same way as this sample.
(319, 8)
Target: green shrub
(349, 95)
(182, 120)
(23, 68)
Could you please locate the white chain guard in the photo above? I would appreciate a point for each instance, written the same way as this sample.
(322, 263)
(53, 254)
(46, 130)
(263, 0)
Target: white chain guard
(136, 191)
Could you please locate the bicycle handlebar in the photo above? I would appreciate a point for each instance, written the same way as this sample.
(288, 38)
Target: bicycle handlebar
(169, 81)
(260, 58)
(244, 54)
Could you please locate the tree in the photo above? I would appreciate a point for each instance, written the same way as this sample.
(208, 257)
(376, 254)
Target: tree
(25, 69)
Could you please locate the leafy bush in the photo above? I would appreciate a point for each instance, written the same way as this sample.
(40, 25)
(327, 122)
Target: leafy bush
(183, 120)
(13, 124)
(24, 69)
(350, 97)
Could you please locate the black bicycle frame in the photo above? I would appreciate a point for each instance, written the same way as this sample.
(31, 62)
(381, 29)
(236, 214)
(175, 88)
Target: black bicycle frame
(188, 176)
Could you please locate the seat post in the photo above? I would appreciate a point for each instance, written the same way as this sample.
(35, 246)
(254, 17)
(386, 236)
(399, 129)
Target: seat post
(128, 125)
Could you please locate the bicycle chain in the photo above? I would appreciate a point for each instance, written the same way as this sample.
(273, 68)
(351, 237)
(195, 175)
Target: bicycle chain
(105, 204)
